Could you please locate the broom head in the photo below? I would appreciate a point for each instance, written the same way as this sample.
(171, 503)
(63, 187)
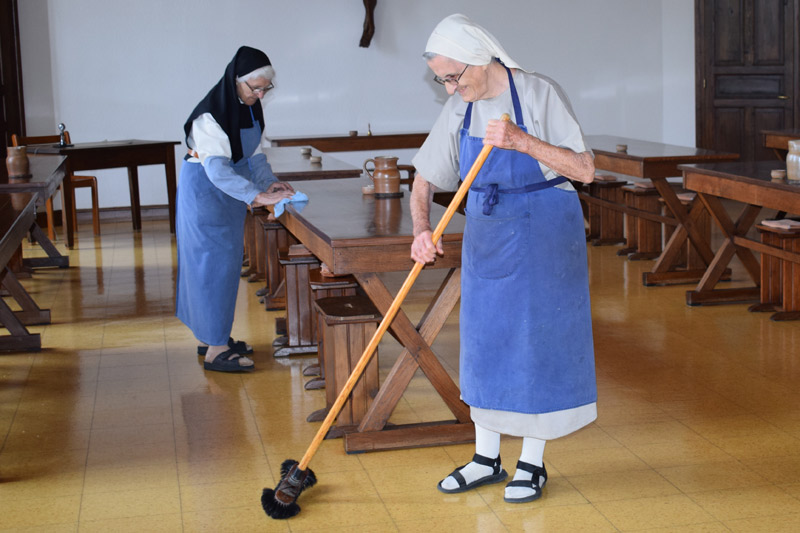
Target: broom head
(281, 503)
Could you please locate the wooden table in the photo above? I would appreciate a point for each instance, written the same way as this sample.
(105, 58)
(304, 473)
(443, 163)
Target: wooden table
(17, 216)
(114, 154)
(290, 164)
(348, 143)
(750, 184)
(47, 175)
(778, 140)
(656, 162)
(364, 236)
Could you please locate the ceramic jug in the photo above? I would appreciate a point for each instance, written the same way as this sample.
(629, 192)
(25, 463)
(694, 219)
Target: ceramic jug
(385, 175)
(17, 162)
(793, 161)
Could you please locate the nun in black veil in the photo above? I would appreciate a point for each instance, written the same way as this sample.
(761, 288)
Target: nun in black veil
(224, 172)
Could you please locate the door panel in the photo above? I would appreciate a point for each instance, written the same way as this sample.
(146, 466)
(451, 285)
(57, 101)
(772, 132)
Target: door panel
(746, 73)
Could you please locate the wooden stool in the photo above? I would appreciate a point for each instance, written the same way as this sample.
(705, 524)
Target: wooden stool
(780, 279)
(300, 337)
(324, 287)
(347, 324)
(605, 224)
(688, 258)
(643, 237)
(275, 239)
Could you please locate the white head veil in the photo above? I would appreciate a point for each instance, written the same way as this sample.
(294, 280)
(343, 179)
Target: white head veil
(457, 37)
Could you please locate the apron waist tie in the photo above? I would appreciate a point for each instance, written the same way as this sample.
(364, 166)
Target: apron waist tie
(492, 191)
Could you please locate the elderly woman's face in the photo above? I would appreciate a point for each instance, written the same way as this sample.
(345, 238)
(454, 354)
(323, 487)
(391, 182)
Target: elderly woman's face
(253, 90)
(458, 77)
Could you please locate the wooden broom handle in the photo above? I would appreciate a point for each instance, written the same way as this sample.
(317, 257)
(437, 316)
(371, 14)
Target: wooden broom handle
(393, 309)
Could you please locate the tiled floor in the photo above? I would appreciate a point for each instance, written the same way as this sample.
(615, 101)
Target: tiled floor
(115, 426)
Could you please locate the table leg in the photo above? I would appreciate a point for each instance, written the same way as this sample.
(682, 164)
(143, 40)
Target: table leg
(664, 271)
(169, 168)
(416, 355)
(67, 207)
(705, 291)
(136, 208)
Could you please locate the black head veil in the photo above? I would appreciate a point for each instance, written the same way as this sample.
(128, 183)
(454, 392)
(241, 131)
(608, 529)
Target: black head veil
(223, 102)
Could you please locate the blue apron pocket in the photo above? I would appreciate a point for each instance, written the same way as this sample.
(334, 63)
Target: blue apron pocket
(494, 246)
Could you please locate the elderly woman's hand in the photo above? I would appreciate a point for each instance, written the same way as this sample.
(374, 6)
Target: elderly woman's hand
(272, 197)
(423, 250)
(280, 186)
(507, 135)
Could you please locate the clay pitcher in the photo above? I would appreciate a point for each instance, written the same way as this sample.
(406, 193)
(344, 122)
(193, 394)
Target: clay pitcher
(385, 175)
(793, 161)
(17, 162)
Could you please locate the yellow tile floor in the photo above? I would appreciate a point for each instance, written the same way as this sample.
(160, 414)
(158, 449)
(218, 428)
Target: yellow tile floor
(115, 426)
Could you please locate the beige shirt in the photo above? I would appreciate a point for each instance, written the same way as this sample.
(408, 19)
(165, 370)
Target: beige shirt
(546, 113)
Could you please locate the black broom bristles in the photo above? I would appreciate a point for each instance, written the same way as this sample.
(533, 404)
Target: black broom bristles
(281, 503)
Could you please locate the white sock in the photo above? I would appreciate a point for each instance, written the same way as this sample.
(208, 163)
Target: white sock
(533, 453)
(487, 443)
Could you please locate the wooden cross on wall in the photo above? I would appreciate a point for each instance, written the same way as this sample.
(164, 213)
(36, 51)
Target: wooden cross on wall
(369, 23)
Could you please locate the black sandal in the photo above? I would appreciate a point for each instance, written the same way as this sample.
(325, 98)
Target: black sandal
(536, 482)
(497, 475)
(227, 361)
(239, 347)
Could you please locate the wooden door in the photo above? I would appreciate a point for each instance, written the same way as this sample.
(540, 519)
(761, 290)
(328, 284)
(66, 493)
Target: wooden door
(746, 73)
(11, 108)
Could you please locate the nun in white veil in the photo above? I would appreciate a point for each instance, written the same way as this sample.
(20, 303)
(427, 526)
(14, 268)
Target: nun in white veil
(526, 352)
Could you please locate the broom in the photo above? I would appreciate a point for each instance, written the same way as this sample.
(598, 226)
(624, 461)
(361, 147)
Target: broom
(281, 503)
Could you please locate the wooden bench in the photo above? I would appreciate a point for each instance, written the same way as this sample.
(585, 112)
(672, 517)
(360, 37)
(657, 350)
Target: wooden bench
(605, 224)
(780, 279)
(325, 287)
(642, 236)
(17, 219)
(346, 325)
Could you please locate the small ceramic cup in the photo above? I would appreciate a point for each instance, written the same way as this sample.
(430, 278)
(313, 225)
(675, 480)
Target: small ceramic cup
(315, 159)
(305, 150)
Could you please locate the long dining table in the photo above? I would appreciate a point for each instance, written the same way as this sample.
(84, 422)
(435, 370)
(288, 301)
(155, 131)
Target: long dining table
(750, 184)
(366, 236)
(656, 162)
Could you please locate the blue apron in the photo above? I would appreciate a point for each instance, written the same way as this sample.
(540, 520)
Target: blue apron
(210, 239)
(525, 323)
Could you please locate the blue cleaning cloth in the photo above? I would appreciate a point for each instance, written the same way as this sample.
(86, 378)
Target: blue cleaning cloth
(298, 197)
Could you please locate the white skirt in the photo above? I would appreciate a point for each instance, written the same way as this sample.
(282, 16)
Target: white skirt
(545, 426)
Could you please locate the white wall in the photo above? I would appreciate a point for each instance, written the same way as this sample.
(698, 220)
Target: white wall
(114, 70)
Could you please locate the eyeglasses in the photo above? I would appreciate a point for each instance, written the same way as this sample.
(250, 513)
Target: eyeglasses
(260, 90)
(450, 79)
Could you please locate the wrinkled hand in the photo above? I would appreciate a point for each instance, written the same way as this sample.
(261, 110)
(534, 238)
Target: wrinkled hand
(280, 186)
(505, 134)
(272, 197)
(423, 250)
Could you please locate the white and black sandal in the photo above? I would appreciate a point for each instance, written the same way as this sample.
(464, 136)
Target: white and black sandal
(497, 475)
(536, 483)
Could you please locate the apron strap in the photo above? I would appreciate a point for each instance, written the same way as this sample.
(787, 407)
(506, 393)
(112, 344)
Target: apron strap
(514, 100)
(492, 192)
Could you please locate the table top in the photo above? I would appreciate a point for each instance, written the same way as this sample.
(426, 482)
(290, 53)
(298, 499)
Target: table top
(352, 232)
(47, 173)
(342, 143)
(646, 159)
(289, 164)
(745, 181)
(780, 138)
(99, 145)
(648, 150)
